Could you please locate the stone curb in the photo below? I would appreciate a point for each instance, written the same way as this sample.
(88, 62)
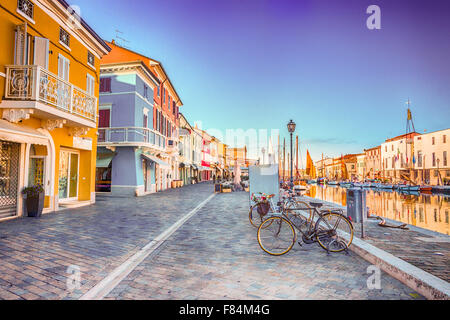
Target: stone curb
(428, 285)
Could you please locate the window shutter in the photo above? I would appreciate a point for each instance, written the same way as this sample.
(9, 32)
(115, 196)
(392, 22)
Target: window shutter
(20, 48)
(104, 116)
(41, 47)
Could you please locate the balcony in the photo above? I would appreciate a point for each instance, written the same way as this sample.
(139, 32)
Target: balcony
(35, 90)
(131, 136)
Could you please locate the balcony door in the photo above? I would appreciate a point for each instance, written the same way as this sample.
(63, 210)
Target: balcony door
(68, 175)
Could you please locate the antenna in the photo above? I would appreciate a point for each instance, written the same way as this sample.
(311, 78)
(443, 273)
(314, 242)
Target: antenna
(120, 39)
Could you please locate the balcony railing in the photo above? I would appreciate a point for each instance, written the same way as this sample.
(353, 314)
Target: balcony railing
(38, 84)
(131, 135)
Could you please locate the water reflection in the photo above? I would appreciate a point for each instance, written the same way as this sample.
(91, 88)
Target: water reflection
(422, 210)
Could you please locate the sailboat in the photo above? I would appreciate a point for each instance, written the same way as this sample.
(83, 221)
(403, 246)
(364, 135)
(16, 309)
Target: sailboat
(310, 168)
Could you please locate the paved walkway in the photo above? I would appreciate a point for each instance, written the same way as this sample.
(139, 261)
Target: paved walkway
(214, 255)
(426, 250)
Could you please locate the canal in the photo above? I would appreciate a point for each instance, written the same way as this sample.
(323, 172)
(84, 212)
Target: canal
(428, 211)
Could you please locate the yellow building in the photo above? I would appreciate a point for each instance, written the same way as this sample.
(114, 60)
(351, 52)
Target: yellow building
(49, 80)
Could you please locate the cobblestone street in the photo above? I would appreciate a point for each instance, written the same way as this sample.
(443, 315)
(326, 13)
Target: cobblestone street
(214, 255)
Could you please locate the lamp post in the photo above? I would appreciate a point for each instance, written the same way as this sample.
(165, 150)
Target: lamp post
(291, 128)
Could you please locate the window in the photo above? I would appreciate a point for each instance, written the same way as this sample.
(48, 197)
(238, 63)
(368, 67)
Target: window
(63, 67)
(26, 7)
(158, 90)
(444, 139)
(419, 158)
(90, 85)
(91, 59)
(434, 159)
(445, 159)
(392, 147)
(164, 95)
(104, 118)
(168, 104)
(105, 84)
(145, 124)
(64, 37)
(432, 141)
(145, 92)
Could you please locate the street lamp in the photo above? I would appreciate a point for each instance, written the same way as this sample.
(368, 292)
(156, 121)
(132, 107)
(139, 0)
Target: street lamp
(291, 128)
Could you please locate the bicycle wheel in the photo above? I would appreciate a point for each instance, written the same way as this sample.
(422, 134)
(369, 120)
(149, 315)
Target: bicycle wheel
(329, 231)
(276, 236)
(255, 218)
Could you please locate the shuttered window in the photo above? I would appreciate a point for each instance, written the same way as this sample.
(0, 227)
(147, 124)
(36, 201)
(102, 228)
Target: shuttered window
(90, 85)
(63, 67)
(104, 118)
(41, 48)
(21, 45)
(105, 85)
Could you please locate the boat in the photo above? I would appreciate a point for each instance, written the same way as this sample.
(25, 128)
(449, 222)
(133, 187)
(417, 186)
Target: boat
(333, 183)
(357, 185)
(346, 184)
(408, 187)
(367, 185)
(441, 189)
(312, 181)
(386, 186)
(426, 189)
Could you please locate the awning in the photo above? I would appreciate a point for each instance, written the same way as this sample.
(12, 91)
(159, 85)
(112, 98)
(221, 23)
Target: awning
(104, 159)
(157, 160)
(21, 134)
(205, 169)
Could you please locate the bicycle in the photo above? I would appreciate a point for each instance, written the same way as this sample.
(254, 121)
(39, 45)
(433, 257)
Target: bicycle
(263, 205)
(327, 230)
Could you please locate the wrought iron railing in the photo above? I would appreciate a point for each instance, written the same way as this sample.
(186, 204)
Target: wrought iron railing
(131, 135)
(38, 84)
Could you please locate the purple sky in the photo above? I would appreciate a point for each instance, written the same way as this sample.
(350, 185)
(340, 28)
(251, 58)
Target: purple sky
(257, 64)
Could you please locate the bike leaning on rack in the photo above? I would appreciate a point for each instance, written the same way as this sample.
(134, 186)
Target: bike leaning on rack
(330, 229)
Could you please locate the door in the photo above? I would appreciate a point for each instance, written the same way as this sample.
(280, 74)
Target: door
(68, 175)
(145, 172)
(9, 178)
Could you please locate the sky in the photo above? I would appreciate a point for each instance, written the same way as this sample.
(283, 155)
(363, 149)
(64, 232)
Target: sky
(256, 64)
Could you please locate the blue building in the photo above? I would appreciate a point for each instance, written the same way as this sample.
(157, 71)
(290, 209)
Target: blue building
(136, 154)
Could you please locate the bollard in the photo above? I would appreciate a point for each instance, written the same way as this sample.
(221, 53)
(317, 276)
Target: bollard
(356, 207)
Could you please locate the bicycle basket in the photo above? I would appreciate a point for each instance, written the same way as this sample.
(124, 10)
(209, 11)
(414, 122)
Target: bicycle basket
(263, 208)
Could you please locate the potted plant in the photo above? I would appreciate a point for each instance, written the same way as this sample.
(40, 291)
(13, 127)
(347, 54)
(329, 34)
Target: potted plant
(34, 200)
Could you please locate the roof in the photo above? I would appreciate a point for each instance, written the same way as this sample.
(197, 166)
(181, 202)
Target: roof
(85, 25)
(121, 54)
(404, 136)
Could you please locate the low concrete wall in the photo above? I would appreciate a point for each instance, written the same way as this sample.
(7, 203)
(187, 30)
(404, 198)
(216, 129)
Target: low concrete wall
(428, 285)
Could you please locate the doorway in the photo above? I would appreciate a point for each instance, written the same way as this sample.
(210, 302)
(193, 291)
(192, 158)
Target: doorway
(68, 175)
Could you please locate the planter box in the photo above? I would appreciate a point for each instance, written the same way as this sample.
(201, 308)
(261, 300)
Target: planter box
(35, 205)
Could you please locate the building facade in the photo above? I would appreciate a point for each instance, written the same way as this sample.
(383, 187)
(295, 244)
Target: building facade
(431, 162)
(397, 157)
(373, 163)
(49, 77)
(139, 120)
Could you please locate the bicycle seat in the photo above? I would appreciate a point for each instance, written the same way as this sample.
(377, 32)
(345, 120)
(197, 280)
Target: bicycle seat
(316, 204)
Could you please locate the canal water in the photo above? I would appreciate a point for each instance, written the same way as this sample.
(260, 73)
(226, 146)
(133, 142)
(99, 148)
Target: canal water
(428, 211)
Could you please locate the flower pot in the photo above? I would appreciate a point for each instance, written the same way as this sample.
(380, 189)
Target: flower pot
(35, 205)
